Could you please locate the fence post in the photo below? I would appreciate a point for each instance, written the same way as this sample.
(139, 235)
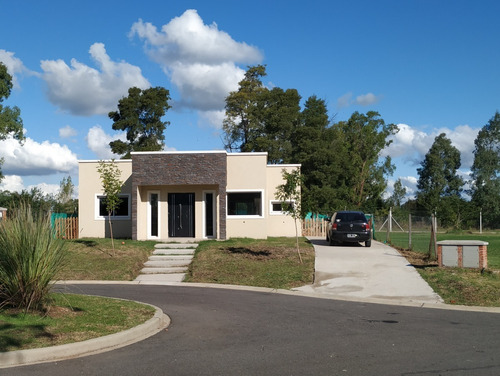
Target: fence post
(409, 231)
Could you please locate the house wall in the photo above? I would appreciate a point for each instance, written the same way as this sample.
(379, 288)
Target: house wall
(279, 225)
(188, 172)
(89, 187)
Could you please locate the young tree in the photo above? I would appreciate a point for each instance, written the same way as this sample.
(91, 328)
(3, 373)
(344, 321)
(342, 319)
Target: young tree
(140, 115)
(112, 185)
(438, 184)
(289, 195)
(11, 123)
(485, 173)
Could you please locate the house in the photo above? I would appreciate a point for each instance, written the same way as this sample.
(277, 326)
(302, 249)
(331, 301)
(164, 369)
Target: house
(194, 195)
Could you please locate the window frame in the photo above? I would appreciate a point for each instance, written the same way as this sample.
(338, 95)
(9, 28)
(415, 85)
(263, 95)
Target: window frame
(97, 200)
(245, 216)
(281, 212)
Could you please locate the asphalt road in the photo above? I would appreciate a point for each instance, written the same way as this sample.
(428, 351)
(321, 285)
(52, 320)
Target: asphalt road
(234, 332)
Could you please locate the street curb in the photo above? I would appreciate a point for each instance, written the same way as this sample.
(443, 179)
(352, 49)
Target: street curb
(98, 345)
(269, 290)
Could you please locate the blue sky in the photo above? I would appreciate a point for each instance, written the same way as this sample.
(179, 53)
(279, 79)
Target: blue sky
(428, 66)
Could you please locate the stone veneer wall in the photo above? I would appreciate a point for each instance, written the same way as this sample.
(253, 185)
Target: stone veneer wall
(161, 169)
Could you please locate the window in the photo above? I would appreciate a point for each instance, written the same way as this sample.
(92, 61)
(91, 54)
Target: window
(244, 203)
(121, 212)
(276, 207)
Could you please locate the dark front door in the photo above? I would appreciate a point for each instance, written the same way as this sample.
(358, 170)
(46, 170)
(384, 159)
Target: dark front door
(181, 215)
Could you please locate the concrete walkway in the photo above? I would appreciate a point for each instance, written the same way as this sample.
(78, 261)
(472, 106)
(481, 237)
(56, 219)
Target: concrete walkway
(169, 263)
(375, 274)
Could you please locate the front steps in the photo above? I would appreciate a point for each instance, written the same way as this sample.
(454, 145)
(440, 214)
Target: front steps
(168, 263)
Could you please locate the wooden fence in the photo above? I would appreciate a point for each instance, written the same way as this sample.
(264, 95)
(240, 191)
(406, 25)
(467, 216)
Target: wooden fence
(66, 228)
(314, 227)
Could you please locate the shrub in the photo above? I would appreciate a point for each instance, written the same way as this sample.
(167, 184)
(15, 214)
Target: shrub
(30, 256)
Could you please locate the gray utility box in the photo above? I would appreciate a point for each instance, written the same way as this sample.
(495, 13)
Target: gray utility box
(463, 253)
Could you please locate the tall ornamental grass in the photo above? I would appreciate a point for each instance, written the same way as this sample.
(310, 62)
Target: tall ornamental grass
(30, 257)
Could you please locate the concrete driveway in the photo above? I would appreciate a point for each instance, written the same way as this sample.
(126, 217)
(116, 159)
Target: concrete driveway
(375, 274)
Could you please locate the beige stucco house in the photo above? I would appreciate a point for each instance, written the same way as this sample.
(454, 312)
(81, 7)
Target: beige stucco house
(193, 195)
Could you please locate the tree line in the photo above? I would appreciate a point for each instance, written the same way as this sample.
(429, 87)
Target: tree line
(342, 167)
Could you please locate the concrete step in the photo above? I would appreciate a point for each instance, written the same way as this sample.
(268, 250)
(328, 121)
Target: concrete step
(172, 270)
(173, 252)
(170, 257)
(175, 245)
(175, 277)
(166, 264)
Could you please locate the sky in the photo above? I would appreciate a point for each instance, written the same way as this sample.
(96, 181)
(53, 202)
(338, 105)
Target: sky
(429, 66)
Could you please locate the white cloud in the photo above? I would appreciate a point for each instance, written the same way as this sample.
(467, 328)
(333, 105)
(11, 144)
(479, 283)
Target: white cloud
(200, 59)
(14, 66)
(15, 183)
(214, 118)
(411, 145)
(82, 90)
(345, 100)
(67, 132)
(367, 99)
(34, 158)
(98, 141)
(12, 183)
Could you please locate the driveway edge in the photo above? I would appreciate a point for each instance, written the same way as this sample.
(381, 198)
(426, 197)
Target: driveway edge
(157, 323)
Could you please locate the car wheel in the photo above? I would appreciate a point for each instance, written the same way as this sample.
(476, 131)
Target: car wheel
(368, 243)
(331, 242)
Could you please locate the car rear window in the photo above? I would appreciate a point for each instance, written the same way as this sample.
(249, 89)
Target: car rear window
(351, 217)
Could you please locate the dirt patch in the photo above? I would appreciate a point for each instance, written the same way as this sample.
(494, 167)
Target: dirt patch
(417, 258)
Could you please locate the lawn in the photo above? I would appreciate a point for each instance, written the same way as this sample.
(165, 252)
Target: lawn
(71, 318)
(95, 259)
(273, 262)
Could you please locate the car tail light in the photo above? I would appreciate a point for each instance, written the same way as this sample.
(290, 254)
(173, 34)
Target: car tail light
(366, 226)
(334, 226)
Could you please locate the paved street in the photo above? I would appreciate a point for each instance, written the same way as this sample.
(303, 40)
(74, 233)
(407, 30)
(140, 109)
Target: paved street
(233, 332)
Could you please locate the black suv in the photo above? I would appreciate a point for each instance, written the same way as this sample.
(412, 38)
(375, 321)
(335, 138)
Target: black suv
(349, 226)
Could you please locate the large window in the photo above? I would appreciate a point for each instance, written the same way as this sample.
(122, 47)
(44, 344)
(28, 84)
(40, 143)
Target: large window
(244, 203)
(121, 212)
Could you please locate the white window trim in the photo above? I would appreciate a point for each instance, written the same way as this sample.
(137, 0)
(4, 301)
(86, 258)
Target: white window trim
(246, 216)
(214, 214)
(117, 218)
(149, 215)
(272, 212)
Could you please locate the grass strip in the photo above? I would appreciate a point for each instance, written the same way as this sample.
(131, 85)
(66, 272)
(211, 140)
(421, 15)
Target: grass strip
(271, 262)
(71, 318)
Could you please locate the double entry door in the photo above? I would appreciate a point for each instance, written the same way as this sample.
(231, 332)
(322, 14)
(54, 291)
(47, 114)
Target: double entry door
(181, 215)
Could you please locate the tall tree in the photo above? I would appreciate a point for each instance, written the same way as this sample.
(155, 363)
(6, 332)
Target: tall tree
(485, 172)
(65, 203)
(398, 194)
(311, 148)
(110, 174)
(11, 123)
(359, 170)
(242, 109)
(140, 115)
(439, 185)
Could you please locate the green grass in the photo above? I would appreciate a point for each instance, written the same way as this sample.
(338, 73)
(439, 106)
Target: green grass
(71, 318)
(273, 262)
(420, 242)
(95, 259)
